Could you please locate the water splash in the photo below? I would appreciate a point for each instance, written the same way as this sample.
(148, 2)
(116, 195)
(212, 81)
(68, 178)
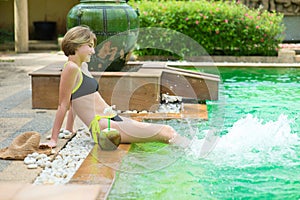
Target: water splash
(250, 141)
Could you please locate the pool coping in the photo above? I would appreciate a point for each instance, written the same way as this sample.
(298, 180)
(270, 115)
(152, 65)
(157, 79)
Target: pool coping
(234, 64)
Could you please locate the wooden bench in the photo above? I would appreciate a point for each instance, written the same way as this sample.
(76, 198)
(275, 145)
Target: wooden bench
(45, 85)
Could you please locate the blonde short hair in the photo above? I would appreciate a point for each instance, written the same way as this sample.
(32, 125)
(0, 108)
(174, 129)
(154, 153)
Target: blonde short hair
(75, 37)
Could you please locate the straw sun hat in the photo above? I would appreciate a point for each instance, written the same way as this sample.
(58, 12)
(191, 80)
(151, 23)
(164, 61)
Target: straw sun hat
(24, 144)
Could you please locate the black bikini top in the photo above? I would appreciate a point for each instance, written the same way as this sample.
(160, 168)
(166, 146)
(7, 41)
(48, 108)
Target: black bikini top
(87, 85)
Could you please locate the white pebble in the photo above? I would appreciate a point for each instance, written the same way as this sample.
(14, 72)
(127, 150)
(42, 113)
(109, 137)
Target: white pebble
(32, 166)
(48, 164)
(53, 152)
(29, 160)
(68, 136)
(144, 111)
(66, 132)
(41, 163)
(61, 135)
(41, 156)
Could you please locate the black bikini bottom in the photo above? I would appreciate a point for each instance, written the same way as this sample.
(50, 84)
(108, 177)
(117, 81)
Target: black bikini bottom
(117, 118)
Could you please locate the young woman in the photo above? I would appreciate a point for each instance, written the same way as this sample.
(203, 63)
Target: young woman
(78, 93)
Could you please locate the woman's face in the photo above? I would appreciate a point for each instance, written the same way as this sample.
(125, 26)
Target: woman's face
(85, 51)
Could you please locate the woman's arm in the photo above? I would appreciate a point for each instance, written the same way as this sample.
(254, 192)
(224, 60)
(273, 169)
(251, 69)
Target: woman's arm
(67, 82)
(70, 120)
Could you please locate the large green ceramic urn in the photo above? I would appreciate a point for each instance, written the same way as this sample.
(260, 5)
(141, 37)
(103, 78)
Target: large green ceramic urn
(115, 24)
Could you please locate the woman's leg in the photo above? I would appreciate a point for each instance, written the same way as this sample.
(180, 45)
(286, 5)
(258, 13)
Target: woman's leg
(133, 131)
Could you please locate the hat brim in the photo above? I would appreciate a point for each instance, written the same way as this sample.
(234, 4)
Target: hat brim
(45, 149)
(7, 154)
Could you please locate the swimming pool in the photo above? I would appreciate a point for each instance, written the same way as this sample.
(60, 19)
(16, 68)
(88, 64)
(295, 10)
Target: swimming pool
(257, 155)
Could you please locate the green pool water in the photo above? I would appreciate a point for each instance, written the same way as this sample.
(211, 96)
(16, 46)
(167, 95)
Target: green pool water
(256, 156)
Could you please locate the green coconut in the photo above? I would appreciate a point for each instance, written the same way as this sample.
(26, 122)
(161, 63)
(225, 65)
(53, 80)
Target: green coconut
(109, 139)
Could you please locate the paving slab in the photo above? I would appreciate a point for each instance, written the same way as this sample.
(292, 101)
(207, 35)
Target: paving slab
(19, 191)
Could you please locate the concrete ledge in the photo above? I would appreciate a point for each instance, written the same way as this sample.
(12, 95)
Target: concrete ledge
(189, 111)
(237, 64)
(224, 59)
(286, 55)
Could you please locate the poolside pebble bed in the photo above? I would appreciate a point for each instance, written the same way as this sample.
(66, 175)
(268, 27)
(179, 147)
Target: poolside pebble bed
(67, 161)
(61, 169)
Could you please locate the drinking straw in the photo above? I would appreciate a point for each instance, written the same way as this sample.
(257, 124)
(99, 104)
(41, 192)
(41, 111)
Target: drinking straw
(108, 123)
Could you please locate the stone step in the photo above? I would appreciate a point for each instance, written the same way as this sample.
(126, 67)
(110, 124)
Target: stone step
(43, 45)
(33, 45)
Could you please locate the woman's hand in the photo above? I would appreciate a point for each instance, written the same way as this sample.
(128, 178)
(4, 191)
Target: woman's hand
(52, 143)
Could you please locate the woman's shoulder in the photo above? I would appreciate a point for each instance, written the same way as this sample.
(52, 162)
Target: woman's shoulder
(70, 66)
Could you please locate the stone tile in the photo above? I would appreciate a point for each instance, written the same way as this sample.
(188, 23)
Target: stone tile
(23, 107)
(17, 172)
(100, 168)
(16, 191)
(9, 190)
(297, 58)
(9, 125)
(8, 89)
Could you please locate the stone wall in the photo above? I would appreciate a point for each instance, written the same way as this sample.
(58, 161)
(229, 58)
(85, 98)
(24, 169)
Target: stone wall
(291, 11)
(287, 7)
